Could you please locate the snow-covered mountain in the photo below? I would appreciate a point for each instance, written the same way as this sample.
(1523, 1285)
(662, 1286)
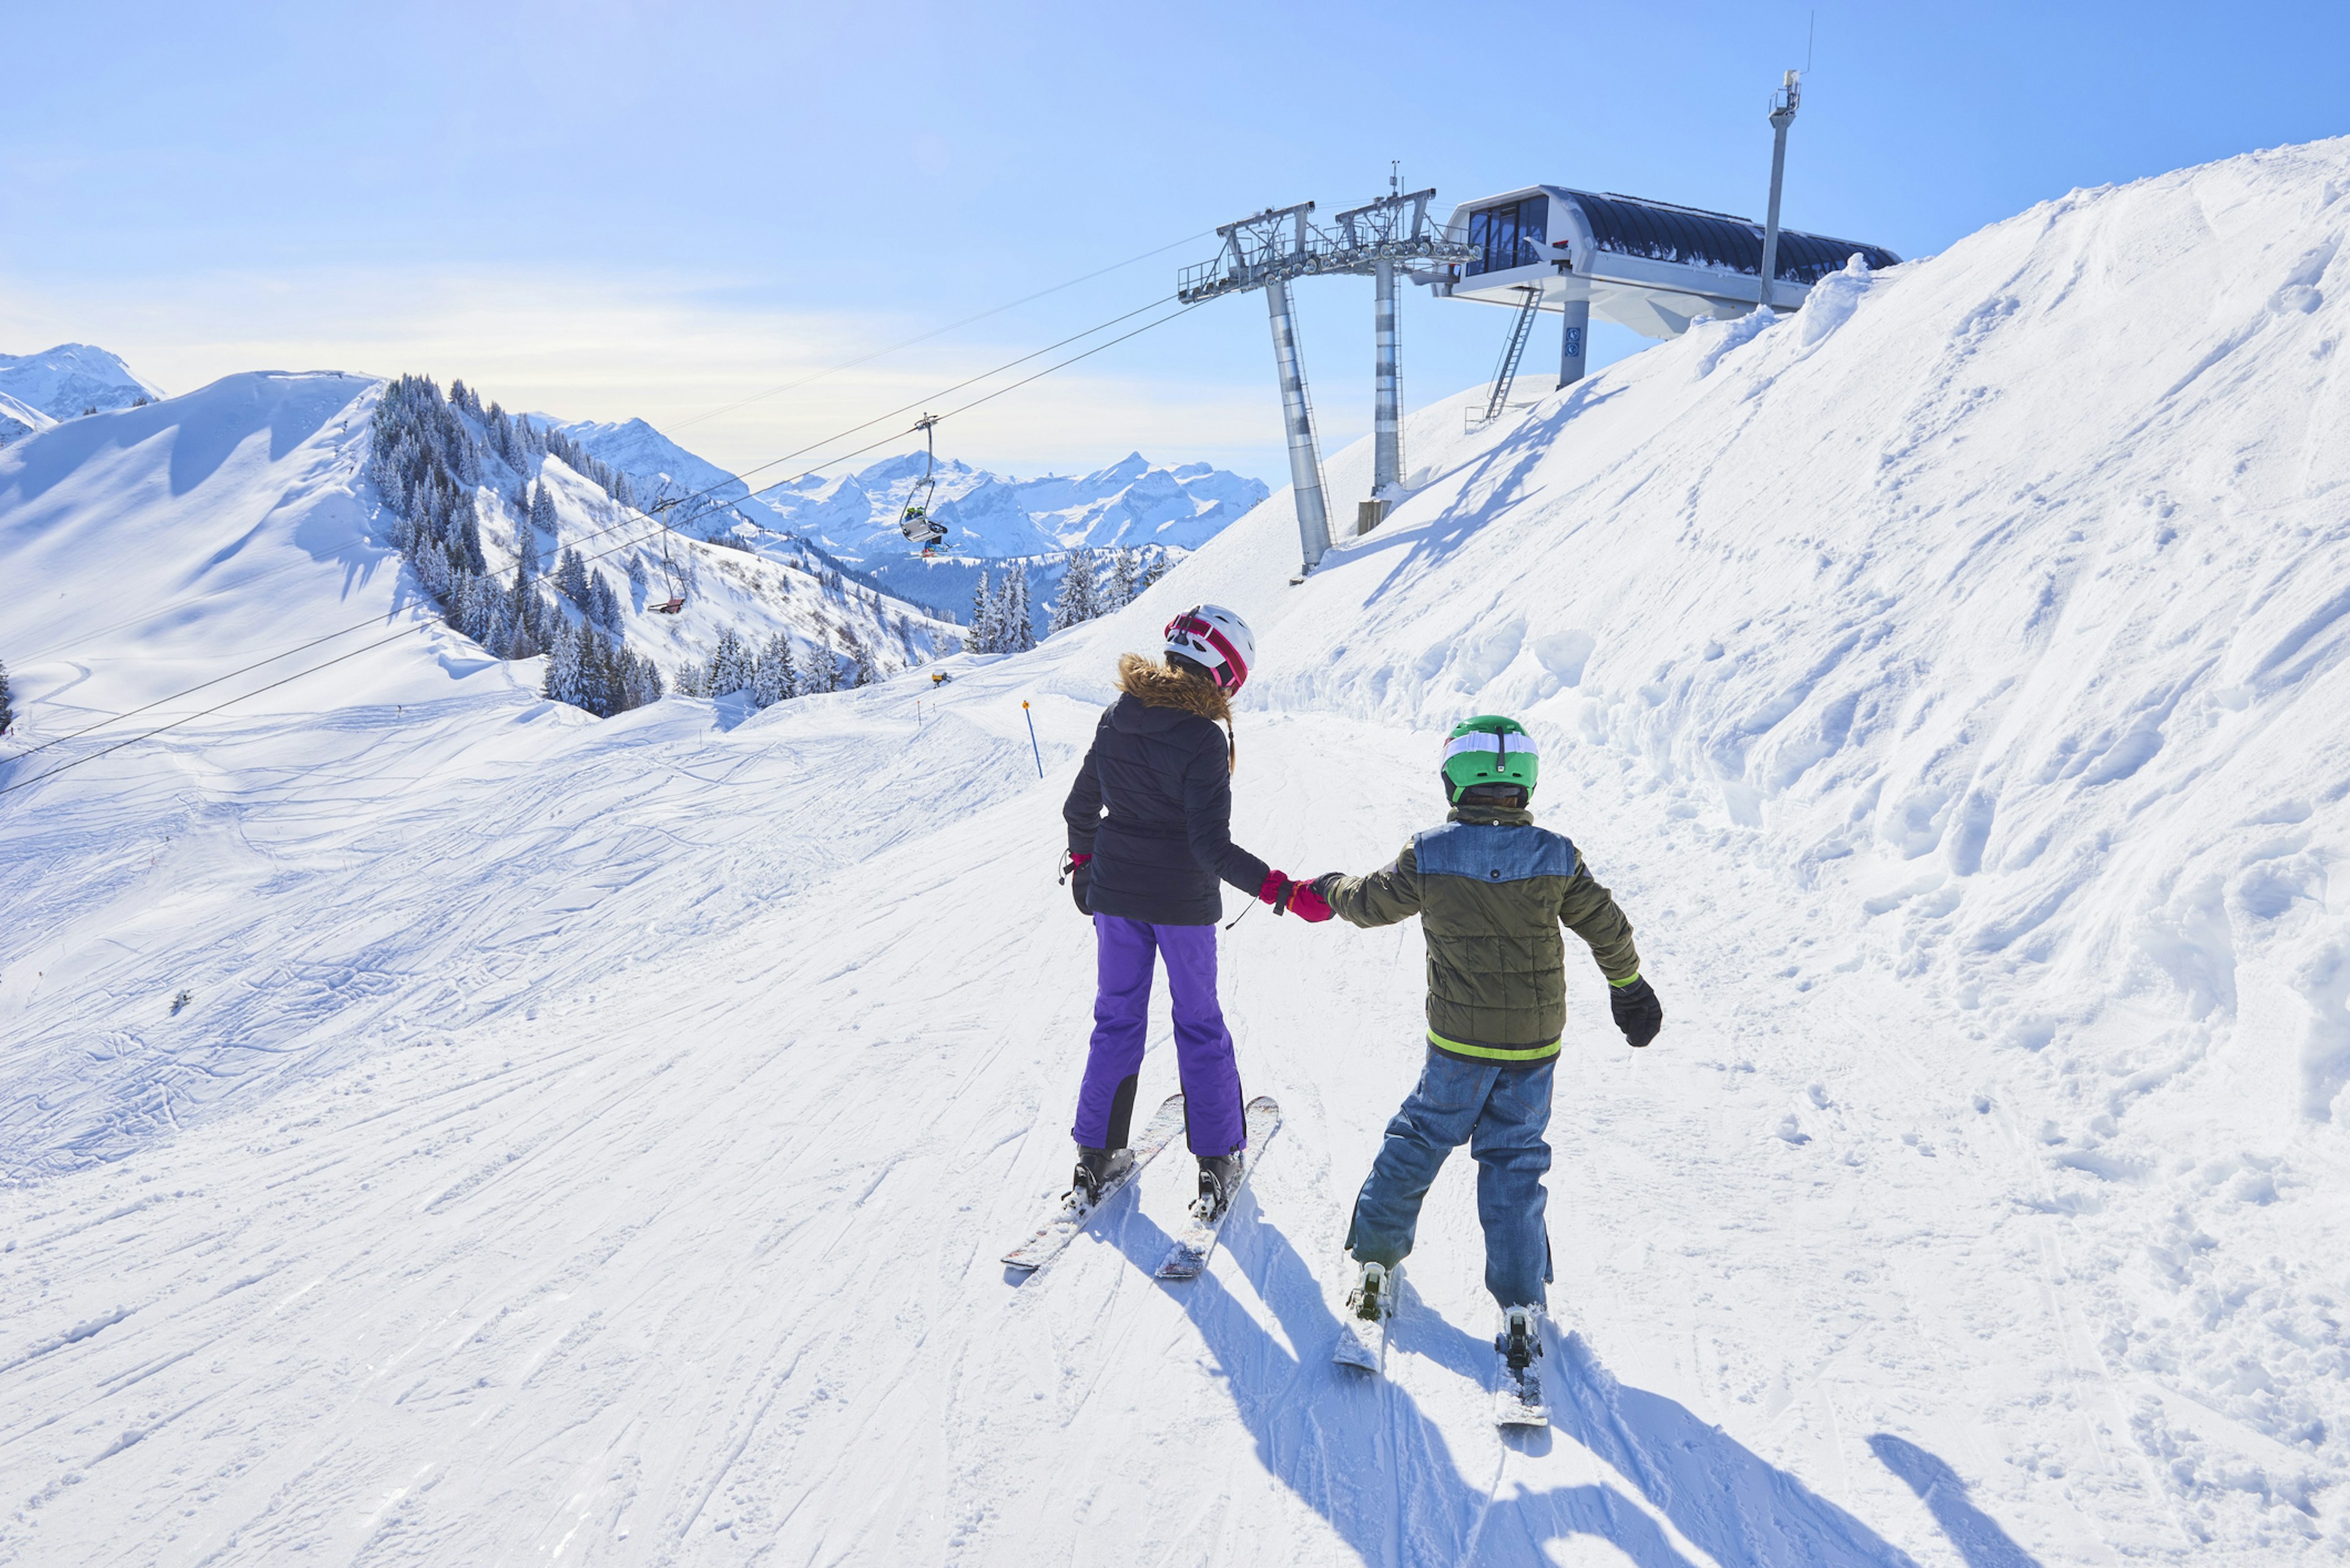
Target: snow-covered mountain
(72, 379)
(1132, 503)
(20, 419)
(481, 1133)
(854, 516)
(990, 518)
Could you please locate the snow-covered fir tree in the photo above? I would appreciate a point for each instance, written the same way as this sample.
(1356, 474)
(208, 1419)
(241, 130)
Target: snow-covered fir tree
(590, 671)
(777, 677)
(603, 604)
(640, 580)
(984, 633)
(8, 709)
(731, 666)
(527, 548)
(1117, 588)
(1015, 632)
(571, 580)
(1076, 604)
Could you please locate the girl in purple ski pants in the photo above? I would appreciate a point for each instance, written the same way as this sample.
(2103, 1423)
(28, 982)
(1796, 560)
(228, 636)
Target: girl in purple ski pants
(1150, 820)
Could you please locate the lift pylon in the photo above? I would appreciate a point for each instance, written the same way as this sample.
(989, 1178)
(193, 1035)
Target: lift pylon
(1266, 252)
(1374, 238)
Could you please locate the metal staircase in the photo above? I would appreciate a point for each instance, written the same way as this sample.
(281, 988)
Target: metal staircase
(1505, 374)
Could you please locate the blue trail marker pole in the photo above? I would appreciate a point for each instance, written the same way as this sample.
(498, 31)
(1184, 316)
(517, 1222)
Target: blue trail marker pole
(1032, 737)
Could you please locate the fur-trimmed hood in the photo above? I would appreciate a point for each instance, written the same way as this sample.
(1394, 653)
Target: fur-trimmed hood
(1156, 686)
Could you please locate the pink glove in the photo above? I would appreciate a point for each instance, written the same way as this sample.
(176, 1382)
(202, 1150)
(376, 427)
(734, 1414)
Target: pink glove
(1287, 896)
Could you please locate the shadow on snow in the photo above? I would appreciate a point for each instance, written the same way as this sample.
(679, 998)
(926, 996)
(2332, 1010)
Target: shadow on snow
(1363, 1456)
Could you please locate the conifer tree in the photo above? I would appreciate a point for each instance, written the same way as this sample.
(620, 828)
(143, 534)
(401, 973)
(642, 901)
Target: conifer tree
(776, 680)
(529, 563)
(603, 604)
(983, 636)
(640, 580)
(1076, 604)
(1119, 586)
(1016, 631)
(730, 665)
(8, 709)
(542, 506)
(562, 683)
(571, 579)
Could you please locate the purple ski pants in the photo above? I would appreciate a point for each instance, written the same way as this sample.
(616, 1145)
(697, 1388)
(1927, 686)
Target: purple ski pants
(1125, 953)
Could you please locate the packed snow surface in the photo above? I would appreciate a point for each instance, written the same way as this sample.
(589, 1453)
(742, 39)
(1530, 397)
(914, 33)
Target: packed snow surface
(593, 1141)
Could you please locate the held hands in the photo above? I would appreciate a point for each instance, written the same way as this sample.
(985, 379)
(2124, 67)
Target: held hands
(1288, 898)
(1638, 1012)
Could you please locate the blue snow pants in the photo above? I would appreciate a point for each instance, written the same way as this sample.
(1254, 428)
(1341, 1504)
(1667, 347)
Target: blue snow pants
(1127, 952)
(1500, 1113)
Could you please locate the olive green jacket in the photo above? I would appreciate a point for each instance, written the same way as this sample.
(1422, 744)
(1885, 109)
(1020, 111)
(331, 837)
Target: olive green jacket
(1492, 890)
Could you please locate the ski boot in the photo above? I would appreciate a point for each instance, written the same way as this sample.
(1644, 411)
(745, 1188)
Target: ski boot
(1096, 1168)
(1373, 1298)
(1220, 1178)
(1519, 1402)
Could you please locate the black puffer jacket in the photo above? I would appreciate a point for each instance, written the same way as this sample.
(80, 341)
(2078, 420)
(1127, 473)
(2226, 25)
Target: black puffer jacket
(1162, 769)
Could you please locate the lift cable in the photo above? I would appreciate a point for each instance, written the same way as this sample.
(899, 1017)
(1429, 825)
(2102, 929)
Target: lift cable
(624, 545)
(938, 331)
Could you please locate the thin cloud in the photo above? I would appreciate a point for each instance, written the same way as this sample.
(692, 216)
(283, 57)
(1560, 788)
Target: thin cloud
(584, 347)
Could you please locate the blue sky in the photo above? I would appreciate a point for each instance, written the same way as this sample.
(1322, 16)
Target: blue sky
(613, 210)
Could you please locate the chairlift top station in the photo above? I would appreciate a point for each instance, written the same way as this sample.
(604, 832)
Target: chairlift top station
(1653, 266)
(1649, 266)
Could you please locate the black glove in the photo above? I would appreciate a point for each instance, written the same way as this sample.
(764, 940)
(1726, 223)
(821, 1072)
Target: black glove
(1077, 871)
(1638, 1012)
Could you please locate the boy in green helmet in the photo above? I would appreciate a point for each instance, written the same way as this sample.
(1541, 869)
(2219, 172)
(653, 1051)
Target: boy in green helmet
(1492, 891)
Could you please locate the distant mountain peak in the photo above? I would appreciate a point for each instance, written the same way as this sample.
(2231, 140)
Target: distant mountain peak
(72, 379)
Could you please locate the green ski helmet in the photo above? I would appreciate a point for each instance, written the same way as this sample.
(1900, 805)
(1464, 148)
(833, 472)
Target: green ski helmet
(1488, 749)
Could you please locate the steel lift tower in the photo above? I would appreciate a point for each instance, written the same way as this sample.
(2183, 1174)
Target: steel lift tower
(1266, 252)
(1373, 238)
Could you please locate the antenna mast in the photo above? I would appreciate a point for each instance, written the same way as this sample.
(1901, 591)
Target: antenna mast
(1783, 115)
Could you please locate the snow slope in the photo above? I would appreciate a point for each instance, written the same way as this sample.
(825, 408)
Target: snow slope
(20, 419)
(592, 1141)
(72, 378)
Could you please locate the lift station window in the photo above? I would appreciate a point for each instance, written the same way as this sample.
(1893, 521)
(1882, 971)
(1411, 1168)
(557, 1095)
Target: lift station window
(1510, 235)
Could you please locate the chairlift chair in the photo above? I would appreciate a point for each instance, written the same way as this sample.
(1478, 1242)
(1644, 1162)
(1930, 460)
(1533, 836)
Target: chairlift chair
(675, 603)
(917, 523)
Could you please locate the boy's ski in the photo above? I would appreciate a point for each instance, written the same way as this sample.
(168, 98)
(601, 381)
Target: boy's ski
(1068, 1217)
(1188, 1258)
(1518, 1402)
(1363, 1332)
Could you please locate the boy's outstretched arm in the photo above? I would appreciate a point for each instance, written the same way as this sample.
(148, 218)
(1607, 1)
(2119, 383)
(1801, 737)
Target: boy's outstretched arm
(1589, 910)
(1381, 899)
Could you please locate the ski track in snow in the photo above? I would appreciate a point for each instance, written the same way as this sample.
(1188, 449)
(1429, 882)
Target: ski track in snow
(595, 1141)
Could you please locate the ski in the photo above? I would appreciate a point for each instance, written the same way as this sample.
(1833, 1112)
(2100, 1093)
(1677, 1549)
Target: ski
(1188, 1258)
(1518, 1402)
(1061, 1227)
(1363, 1334)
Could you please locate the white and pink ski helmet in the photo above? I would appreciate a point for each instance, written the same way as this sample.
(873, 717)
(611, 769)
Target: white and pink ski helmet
(1215, 638)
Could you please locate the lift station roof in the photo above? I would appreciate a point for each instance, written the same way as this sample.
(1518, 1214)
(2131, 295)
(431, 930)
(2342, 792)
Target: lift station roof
(1649, 266)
